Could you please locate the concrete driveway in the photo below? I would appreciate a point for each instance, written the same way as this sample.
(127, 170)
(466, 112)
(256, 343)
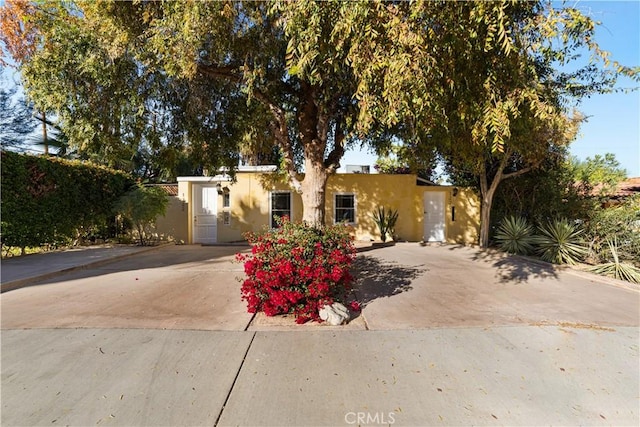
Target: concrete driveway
(448, 336)
(175, 287)
(409, 286)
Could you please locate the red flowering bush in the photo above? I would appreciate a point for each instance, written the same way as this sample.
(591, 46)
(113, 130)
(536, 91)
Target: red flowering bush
(297, 269)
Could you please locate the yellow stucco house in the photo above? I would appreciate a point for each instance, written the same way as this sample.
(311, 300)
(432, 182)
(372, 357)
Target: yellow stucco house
(215, 209)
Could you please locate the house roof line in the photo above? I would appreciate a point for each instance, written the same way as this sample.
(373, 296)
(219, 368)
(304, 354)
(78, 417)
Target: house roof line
(425, 181)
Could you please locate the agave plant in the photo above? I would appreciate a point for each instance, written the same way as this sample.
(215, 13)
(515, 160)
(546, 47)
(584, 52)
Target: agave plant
(560, 242)
(386, 221)
(617, 269)
(515, 236)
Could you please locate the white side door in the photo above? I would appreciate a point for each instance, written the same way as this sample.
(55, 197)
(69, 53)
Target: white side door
(205, 209)
(434, 216)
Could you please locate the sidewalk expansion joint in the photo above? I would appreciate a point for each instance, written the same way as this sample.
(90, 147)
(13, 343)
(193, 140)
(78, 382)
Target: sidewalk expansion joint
(250, 321)
(233, 384)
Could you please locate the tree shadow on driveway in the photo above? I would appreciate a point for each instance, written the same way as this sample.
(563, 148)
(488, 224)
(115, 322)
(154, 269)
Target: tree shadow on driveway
(375, 278)
(513, 269)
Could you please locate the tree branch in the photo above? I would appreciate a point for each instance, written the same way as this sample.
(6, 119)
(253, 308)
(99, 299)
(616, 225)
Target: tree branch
(278, 125)
(281, 133)
(228, 73)
(333, 159)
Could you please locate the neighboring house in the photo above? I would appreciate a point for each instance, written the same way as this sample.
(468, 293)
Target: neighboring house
(627, 188)
(219, 210)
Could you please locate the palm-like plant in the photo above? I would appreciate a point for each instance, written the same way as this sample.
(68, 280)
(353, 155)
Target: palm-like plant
(560, 242)
(386, 221)
(515, 236)
(617, 269)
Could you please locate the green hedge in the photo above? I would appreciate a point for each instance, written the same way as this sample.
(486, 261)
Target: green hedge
(46, 200)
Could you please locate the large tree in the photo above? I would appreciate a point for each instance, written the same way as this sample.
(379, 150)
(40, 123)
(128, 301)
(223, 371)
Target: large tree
(217, 72)
(508, 88)
(314, 75)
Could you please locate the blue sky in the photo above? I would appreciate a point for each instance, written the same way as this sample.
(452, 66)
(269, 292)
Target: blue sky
(613, 124)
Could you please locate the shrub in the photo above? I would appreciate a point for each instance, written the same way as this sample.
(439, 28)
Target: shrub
(386, 222)
(49, 201)
(515, 236)
(560, 242)
(615, 268)
(141, 206)
(297, 269)
(621, 223)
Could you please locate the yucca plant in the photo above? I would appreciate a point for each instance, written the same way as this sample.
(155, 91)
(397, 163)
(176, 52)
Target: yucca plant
(560, 242)
(386, 221)
(515, 236)
(617, 269)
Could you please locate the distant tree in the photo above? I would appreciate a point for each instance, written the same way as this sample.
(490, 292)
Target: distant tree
(16, 116)
(603, 171)
(400, 159)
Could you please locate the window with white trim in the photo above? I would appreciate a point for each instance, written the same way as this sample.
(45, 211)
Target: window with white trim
(344, 208)
(280, 206)
(226, 208)
(226, 218)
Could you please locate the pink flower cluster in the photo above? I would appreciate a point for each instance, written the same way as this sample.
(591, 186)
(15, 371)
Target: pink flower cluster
(297, 269)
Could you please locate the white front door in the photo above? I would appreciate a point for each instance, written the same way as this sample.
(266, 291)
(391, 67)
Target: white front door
(205, 209)
(434, 216)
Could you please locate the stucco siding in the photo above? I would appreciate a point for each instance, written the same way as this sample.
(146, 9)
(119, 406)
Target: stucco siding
(250, 203)
(173, 225)
(393, 192)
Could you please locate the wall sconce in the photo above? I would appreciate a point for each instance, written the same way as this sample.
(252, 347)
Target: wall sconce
(219, 188)
(455, 191)
(225, 190)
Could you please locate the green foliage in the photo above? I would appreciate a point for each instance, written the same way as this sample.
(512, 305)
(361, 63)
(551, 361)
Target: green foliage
(515, 236)
(543, 193)
(386, 221)
(615, 268)
(48, 201)
(622, 223)
(560, 242)
(603, 171)
(401, 159)
(141, 206)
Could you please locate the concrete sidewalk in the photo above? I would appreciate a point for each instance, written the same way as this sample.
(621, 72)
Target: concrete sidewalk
(436, 377)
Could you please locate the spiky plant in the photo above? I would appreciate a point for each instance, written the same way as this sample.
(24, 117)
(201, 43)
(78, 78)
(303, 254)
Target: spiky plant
(515, 236)
(386, 221)
(617, 269)
(560, 242)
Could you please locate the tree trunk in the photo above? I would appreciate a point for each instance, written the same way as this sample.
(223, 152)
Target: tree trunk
(488, 190)
(313, 131)
(44, 134)
(313, 192)
(485, 216)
